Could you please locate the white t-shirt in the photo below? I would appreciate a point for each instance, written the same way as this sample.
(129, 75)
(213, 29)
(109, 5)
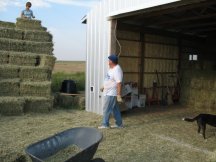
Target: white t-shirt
(113, 76)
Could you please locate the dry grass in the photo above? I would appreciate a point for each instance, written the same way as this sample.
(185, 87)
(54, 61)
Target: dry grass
(69, 66)
(149, 135)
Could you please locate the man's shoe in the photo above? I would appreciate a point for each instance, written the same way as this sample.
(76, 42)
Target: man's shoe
(103, 127)
(117, 126)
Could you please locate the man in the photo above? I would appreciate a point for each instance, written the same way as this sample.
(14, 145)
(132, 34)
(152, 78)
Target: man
(27, 13)
(112, 93)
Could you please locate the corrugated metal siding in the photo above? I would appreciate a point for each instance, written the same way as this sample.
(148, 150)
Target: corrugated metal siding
(98, 43)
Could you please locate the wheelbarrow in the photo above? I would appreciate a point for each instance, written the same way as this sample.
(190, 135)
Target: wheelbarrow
(86, 139)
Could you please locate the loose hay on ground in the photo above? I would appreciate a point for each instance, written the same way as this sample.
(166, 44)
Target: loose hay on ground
(149, 135)
(64, 154)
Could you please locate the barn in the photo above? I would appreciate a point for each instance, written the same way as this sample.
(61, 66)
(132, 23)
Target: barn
(165, 47)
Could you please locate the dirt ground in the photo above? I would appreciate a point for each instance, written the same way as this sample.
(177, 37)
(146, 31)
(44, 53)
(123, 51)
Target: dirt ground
(150, 135)
(69, 66)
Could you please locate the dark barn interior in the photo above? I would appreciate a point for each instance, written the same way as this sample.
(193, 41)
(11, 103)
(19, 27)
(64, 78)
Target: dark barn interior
(185, 28)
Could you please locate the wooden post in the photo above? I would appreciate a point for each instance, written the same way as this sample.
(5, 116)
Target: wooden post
(113, 43)
(142, 37)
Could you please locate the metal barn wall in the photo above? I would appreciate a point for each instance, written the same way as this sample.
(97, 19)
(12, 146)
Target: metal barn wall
(98, 43)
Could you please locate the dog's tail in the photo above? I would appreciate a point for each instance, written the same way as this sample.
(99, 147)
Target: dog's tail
(190, 120)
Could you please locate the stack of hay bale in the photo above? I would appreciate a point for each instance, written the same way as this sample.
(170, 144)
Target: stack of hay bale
(199, 89)
(26, 64)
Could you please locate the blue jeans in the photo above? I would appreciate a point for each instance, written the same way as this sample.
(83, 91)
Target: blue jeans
(111, 106)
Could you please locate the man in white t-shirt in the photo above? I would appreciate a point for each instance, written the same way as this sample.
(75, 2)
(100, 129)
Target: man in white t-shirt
(112, 93)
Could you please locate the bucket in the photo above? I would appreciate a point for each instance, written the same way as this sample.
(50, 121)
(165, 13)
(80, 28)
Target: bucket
(142, 100)
(68, 86)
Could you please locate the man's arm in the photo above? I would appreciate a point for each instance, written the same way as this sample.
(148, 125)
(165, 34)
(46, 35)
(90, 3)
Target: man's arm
(22, 14)
(119, 87)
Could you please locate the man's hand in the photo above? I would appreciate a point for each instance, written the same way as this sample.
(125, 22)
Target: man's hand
(102, 89)
(119, 99)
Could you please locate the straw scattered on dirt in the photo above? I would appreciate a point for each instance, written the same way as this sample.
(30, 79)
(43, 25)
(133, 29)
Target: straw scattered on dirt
(156, 134)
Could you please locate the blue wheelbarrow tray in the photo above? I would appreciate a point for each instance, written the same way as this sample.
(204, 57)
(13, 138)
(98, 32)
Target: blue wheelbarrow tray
(87, 139)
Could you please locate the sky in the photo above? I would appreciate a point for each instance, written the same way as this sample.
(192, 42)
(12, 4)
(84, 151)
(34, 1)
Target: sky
(61, 17)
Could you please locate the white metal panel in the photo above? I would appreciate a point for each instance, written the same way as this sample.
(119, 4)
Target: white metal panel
(98, 43)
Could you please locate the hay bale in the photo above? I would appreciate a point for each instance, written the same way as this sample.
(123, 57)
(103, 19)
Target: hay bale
(11, 45)
(4, 57)
(81, 102)
(11, 105)
(39, 36)
(4, 24)
(47, 61)
(38, 104)
(38, 47)
(9, 71)
(42, 89)
(26, 46)
(22, 59)
(11, 33)
(26, 24)
(35, 73)
(197, 83)
(67, 101)
(9, 87)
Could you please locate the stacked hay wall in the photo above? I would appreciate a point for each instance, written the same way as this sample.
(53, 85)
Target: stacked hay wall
(198, 89)
(26, 64)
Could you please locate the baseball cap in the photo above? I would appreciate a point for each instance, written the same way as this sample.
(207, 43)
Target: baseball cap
(113, 58)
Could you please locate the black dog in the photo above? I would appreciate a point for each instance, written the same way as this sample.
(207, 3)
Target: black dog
(202, 120)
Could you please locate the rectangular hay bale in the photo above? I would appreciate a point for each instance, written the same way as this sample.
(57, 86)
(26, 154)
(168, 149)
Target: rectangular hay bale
(11, 33)
(39, 36)
(4, 24)
(4, 57)
(35, 74)
(40, 89)
(38, 47)
(38, 104)
(11, 105)
(22, 59)
(9, 87)
(47, 61)
(26, 24)
(9, 72)
(26, 46)
(11, 45)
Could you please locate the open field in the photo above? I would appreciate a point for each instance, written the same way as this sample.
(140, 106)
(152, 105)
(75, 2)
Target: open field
(69, 66)
(68, 70)
(153, 134)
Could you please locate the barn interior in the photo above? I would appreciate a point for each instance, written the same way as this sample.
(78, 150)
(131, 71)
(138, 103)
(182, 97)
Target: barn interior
(168, 53)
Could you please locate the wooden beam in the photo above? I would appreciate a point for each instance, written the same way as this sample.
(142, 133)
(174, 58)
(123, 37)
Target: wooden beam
(158, 31)
(142, 38)
(113, 43)
(186, 19)
(170, 9)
